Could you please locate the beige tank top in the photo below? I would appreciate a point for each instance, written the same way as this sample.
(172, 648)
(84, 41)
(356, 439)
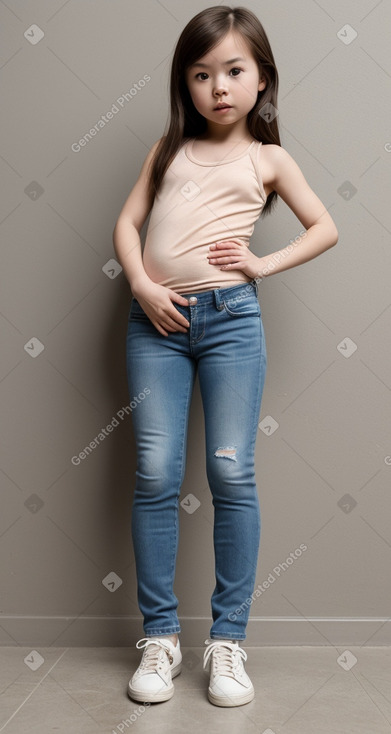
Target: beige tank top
(198, 204)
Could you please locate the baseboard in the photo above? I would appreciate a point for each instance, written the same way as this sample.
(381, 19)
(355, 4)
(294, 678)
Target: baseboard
(123, 631)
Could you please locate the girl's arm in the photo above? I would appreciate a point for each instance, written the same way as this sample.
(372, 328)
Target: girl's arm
(321, 233)
(126, 238)
(156, 300)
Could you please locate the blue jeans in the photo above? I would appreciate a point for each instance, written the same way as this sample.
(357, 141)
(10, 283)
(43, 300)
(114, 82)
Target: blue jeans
(226, 343)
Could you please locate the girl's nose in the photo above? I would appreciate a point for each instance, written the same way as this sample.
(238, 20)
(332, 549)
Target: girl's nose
(219, 91)
(220, 88)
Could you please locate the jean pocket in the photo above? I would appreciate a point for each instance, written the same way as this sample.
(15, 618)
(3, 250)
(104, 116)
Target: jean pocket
(239, 306)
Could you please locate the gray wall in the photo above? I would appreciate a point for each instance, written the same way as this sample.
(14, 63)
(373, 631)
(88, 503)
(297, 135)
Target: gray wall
(324, 473)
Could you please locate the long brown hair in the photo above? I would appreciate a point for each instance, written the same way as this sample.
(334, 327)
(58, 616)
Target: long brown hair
(199, 36)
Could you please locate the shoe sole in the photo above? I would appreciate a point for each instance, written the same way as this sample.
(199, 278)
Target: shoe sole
(230, 700)
(150, 696)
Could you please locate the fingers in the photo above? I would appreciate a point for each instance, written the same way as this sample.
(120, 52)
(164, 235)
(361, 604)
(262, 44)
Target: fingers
(177, 298)
(166, 318)
(174, 321)
(174, 314)
(229, 244)
(164, 328)
(173, 325)
(230, 260)
(160, 329)
(178, 318)
(222, 259)
(223, 253)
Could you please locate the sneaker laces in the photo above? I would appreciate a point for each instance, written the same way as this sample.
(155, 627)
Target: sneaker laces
(227, 657)
(152, 653)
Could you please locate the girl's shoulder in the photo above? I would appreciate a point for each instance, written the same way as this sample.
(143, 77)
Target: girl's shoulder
(276, 160)
(276, 154)
(274, 164)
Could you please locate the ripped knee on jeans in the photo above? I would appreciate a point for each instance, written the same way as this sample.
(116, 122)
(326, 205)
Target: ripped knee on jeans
(226, 452)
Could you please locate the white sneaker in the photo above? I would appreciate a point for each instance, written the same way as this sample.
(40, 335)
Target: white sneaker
(229, 683)
(161, 662)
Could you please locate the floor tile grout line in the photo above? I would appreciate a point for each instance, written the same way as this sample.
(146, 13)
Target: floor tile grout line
(33, 691)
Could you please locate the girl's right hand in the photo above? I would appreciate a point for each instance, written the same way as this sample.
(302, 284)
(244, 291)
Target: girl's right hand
(157, 302)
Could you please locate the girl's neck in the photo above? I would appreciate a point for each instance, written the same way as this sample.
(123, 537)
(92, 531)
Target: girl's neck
(227, 140)
(226, 134)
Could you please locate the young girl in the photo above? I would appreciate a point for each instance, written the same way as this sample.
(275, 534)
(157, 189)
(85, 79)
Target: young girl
(195, 308)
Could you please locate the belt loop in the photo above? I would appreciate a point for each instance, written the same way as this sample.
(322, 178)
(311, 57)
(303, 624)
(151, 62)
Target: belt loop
(218, 300)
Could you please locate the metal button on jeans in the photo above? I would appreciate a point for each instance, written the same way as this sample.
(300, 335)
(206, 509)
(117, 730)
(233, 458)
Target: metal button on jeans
(193, 300)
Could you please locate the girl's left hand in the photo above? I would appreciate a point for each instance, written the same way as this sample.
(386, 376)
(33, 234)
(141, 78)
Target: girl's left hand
(235, 255)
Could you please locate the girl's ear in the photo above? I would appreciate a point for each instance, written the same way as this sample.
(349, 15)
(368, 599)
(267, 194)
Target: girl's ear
(262, 84)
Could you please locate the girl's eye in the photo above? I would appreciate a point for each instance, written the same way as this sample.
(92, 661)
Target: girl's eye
(203, 73)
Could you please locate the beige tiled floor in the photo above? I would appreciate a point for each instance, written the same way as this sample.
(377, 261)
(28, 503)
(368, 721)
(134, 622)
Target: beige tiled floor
(298, 690)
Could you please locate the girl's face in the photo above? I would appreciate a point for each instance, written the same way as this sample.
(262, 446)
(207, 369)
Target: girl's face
(212, 80)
